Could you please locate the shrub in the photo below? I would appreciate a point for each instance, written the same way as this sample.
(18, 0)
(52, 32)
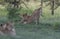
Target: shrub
(56, 26)
(13, 13)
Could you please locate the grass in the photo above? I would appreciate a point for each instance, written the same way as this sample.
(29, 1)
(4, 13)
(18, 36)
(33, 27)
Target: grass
(45, 30)
(34, 32)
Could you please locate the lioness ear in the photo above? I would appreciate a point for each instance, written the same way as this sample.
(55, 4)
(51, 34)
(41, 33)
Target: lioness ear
(1, 25)
(25, 14)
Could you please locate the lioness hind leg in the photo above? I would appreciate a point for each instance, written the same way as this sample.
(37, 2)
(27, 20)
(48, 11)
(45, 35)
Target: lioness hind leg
(37, 21)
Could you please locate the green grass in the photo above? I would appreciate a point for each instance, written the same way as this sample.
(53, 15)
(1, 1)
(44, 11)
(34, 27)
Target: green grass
(34, 32)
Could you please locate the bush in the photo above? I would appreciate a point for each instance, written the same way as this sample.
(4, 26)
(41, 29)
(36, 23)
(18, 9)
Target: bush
(13, 13)
(56, 26)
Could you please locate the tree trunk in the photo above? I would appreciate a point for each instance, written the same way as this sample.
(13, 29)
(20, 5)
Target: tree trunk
(41, 7)
(52, 7)
(15, 3)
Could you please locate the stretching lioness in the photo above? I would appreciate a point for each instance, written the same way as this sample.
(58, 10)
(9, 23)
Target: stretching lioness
(7, 28)
(34, 17)
(25, 18)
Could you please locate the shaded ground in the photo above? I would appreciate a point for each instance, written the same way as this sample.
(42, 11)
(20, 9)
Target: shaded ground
(34, 32)
(31, 31)
(38, 33)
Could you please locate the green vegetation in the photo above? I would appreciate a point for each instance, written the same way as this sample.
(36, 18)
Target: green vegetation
(47, 28)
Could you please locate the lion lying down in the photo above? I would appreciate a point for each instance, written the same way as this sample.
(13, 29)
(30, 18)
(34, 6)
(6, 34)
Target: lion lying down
(7, 29)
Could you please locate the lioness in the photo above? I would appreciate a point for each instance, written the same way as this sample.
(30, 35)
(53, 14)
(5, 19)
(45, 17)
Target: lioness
(34, 17)
(25, 18)
(7, 28)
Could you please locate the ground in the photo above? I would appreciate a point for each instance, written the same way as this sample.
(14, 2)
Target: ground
(31, 32)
